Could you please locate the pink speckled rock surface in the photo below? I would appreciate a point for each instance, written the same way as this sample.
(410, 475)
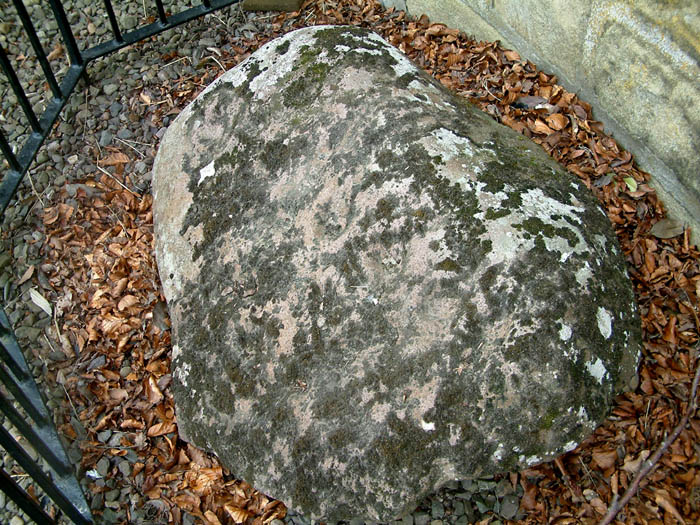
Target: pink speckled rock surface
(375, 288)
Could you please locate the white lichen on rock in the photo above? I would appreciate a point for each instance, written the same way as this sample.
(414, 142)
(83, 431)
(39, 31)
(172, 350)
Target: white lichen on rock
(206, 172)
(565, 332)
(604, 322)
(597, 369)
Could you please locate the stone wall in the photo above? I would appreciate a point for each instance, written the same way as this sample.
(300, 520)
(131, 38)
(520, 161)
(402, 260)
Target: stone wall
(636, 61)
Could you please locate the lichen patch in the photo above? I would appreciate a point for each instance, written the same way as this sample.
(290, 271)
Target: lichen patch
(604, 322)
(206, 172)
(597, 369)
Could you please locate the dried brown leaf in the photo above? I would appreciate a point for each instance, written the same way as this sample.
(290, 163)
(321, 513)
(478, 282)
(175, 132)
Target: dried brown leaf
(557, 121)
(26, 275)
(211, 518)
(238, 514)
(604, 458)
(667, 229)
(663, 499)
(127, 301)
(160, 429)
(540, 127)
(117, 157)
(153, 393)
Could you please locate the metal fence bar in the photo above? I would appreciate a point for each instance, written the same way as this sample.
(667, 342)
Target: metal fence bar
(19, 92)
(31, 404)
(161, 12)
(17, 494)
(40, 433)
(38, 49)
(26, 155)
(76, 58)
(11, 354)
(113, 21)
(8, 154)
(149, 30)
(58, 496)
(39, 442)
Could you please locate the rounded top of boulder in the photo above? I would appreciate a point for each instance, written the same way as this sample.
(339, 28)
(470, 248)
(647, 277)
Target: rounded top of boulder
(374, 287)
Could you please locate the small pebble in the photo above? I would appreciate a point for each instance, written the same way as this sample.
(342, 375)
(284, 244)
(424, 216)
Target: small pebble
(509, 506)
(103, 467)
(125, 133)
(57, 356)
(110, 89)
(115, 108)
(105, 138)
(112, 495)
(125, 468)
(109, 516)
(421, 518)
(437, 510)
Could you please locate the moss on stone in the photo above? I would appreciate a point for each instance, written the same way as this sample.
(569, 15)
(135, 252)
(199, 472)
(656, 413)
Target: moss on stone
(282, 48)
(447, 265)
(493, 214)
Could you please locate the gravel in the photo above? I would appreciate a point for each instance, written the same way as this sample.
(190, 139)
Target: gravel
(100, 115)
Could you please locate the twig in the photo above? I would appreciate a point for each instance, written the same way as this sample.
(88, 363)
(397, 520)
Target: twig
(99, 148)
(36, 193)
(486, 87)
(116, 217)
(174, 62)
(588, 472)
(118, 181)
(648, 466)
(567, 480)
(211, 57)
(86, 107)
(130, 146)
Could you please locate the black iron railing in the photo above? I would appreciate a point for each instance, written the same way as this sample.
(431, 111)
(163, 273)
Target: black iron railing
(37, 427)
(79, 59)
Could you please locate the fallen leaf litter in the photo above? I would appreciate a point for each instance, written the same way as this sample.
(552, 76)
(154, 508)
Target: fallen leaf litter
(109, 309)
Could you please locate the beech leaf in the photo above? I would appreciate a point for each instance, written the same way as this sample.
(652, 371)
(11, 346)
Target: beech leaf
(127, 301)
(603, 181)
(666, 229)
(26, 275)
(115, 158)
(604, 458)
(631, 183)
(160, 429)
(211, 518)
(663, 500)
(633, 465)
(237, 514)
(40, 301)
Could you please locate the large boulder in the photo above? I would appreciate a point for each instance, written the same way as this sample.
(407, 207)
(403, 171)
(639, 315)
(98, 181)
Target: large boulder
(375, 288)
